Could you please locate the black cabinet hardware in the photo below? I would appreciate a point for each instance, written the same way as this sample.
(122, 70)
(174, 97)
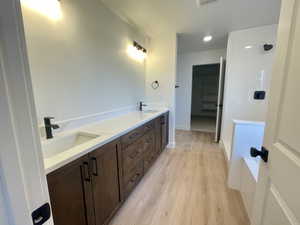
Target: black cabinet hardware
(86, 172)
(95, 166)
(133, 135)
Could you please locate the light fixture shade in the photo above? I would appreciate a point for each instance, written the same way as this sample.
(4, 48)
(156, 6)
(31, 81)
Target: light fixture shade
(207, 38)
(137, 52)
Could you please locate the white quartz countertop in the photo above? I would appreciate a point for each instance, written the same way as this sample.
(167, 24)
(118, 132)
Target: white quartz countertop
(108, 130)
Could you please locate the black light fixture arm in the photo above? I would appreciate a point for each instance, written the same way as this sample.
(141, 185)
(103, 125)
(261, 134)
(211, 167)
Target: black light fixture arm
(139, 47)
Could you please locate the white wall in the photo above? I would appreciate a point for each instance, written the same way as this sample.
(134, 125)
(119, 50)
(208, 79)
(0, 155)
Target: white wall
(3, 208)
(248, 188)
(246, 134)
(161, 66)
(79, 64)
(243, 76)
(243, 169)
(185, 64)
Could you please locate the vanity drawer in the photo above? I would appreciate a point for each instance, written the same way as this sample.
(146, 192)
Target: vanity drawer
(149, 140)
(132, 179)
(131, 137)
(149, 159)
(134, 153)
(148, 126)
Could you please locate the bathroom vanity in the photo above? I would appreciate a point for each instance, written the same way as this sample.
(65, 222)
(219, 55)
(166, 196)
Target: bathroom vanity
(90, 188)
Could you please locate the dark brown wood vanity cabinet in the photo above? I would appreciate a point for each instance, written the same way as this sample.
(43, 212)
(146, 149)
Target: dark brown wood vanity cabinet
(87, 191)
(140, 149)
(165, 129)
(70, 193)
(137, 146)
(158, 136)
(161, 132)
(104, 168)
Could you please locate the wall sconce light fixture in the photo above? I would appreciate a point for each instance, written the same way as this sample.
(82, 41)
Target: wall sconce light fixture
(137, 52)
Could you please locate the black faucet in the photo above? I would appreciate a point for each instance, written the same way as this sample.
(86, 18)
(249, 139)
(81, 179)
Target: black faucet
(141, 106)
(49, 127)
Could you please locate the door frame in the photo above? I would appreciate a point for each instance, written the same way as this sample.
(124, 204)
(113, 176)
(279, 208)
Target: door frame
(23, 179)
(191, 99)
(221, 86)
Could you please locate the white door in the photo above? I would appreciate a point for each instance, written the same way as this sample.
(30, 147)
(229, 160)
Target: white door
(220, 99)
(277, 199)
(23, 185)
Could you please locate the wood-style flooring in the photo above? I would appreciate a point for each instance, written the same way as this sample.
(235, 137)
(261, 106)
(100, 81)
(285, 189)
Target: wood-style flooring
(186, 186)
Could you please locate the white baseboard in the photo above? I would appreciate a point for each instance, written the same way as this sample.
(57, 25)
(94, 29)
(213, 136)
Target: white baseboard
(222, 146)
(247, 188)
(171, 145)
(178, 127)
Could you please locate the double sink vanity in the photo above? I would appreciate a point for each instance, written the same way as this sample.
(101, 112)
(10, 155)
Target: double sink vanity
(92, 171)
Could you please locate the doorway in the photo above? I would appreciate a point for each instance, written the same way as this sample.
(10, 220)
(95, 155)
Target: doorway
(207, 98)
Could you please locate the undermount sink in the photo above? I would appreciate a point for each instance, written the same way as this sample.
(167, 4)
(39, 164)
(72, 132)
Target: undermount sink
(64, 143)
(151, 111)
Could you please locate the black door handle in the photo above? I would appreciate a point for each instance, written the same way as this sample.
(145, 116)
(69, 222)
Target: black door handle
(264, 153)
(41, 215)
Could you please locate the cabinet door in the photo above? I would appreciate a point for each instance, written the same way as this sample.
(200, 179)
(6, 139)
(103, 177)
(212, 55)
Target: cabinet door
(158, 135)
(70, 194)
(150, 154)
(165, 130)
(105, 181)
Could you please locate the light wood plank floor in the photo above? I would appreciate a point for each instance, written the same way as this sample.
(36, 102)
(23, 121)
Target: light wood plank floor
(186, 186)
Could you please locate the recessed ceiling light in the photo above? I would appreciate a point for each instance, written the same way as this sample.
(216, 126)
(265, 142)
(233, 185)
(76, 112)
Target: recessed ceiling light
(207, 38)
(248, 46)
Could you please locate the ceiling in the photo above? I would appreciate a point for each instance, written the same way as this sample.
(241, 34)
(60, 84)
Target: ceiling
(192, 21)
